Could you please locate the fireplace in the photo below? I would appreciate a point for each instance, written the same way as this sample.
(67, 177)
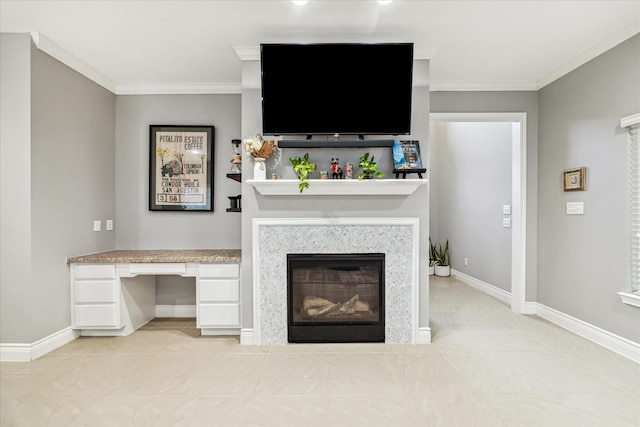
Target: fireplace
(335, 297)
(274, 238)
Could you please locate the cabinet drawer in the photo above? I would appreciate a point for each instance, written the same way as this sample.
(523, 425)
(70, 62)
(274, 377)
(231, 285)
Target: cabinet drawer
(219, 270)
(219, 290)
(157, 268)
(94, 271)
(212, 315)
(96, 291)
(95, 315)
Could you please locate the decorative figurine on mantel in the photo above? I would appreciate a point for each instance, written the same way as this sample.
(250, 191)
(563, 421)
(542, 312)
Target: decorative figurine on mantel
(348, 170)
(336, 170)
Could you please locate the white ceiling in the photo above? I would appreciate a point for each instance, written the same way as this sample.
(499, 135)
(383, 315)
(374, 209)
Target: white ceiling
(188, 46)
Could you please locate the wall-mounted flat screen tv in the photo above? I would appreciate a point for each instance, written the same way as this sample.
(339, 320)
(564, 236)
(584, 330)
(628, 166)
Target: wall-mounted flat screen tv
(336, 88)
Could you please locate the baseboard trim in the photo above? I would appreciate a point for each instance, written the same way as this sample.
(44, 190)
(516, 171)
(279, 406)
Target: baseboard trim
(219, 331)
(247, 336)
(177, 311)
(15, 352)
(530, 308)
(608, 340)
(492, 290)
(29, 352)
(615, 343)
(424, 335)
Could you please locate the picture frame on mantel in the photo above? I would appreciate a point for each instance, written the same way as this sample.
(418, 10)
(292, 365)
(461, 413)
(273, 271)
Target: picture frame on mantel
(181, 168)
(574, 179)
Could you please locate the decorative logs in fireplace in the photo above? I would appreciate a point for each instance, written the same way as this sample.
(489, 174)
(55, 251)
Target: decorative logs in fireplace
(317, 307)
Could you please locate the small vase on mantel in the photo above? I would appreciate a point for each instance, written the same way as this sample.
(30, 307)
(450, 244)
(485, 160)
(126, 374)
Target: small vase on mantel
(259, 169)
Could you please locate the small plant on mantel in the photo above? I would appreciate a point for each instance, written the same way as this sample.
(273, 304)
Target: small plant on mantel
(369, 168)
(302, 167)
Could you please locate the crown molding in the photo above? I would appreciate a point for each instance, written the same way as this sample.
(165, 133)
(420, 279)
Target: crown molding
(178, 89)
(247, 53)
(49, 47)
(252, 53)
(421, 53)
(610, 42)
(457, 86)
(46, 45)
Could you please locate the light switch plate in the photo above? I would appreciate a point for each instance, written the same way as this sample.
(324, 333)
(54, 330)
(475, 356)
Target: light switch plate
(506, 222)
(109, 225)
(506, 209)
(575, 208)
(97, 225)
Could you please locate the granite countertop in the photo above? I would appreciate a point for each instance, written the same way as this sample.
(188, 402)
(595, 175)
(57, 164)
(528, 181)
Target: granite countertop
(157, 256)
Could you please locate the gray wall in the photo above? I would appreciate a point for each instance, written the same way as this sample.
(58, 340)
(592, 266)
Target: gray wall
(470, 181)
(65, 157)
(15, 188)
(584, 260)
(257, 206)
(137, 227)
(500, 102)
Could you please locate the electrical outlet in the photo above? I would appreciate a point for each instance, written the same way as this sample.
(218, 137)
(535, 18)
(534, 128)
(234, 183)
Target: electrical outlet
(466, 261)
(97, 225)
(506, 222)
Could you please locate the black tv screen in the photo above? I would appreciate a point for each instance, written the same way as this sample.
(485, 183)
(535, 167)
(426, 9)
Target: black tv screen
(336, 88)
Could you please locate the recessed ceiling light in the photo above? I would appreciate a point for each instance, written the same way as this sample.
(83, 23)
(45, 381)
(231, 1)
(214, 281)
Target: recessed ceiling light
(299, 2)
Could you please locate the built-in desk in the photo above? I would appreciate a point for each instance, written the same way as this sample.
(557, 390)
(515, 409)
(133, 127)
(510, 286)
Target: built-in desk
(113, 293)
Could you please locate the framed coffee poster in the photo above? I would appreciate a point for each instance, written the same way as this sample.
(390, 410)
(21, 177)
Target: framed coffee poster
(181, 168)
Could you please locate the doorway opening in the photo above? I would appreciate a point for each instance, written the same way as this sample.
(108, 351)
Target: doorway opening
(517, 215)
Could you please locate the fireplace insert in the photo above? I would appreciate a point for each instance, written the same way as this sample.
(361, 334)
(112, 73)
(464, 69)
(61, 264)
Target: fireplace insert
(335, 298)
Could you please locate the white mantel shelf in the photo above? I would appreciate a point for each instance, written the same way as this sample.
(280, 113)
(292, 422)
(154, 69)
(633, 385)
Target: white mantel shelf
(338, 187)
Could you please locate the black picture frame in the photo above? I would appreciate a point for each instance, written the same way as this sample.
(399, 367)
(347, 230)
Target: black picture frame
(181, 166)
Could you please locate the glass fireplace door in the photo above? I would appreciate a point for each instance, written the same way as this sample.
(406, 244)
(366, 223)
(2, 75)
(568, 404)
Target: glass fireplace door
(335, 297)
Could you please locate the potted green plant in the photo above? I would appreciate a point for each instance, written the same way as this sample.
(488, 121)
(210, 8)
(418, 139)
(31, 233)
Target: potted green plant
(442, 267)
(369, 168)
(433, 257)
(303, 167)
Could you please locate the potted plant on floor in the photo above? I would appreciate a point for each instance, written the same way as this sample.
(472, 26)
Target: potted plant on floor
(442, 267)
(433, 258)
(303, 167)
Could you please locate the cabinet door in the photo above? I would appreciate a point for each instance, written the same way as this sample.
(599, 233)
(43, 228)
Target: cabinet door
(219, 290)
(219, 270)
(97, 316)
(88, 291)
(94, 271)
(218, 315)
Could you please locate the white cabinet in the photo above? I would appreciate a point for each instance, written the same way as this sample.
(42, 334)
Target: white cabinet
(218, 298)
(95, 297)
(116, 299)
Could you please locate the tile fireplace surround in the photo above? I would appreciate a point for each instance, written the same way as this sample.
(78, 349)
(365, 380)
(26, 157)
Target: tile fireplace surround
(274, 238)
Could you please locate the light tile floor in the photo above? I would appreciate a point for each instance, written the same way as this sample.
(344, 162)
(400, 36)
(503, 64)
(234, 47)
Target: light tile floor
(486, 367)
